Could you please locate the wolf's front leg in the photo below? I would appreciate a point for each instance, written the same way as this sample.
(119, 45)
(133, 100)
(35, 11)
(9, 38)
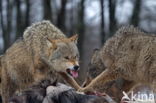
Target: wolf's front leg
(71, 81)
(104, 77)
(7, 87)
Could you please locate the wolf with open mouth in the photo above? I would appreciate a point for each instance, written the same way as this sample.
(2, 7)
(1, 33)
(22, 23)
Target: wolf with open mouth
(42, 52)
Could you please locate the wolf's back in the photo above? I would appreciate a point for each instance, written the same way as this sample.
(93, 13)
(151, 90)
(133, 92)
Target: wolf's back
(43, 29)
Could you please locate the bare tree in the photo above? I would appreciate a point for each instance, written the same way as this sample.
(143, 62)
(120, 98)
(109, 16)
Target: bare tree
(71, 30)
(6, 27)
(1, 18)
(62, 15)
(112, 18)
(81, 33)
(3, 28)
(47, 10)
(136, 13)
(27, 12)
(81, 25)
(102, 32)
(19, 21)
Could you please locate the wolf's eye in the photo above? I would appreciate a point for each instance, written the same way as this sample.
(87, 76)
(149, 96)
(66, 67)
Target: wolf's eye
(66, 57)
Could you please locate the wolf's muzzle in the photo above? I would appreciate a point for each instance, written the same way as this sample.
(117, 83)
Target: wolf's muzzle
(76, 67)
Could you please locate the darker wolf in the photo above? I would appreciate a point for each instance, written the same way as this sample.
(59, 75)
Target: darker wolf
(43, 52)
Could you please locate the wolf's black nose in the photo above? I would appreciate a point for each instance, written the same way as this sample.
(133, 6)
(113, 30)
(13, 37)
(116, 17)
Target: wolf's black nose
(76, 67)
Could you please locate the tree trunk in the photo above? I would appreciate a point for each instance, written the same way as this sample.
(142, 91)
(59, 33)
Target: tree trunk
(72, 26)
(81, 34)
(112, 18)
(136, 13)
(6, 29)
(19, 23)
(27, 19)
(102, 32)
(81, 26)
(61, 16)
(3, 26)
(47, 10)
(1, 18)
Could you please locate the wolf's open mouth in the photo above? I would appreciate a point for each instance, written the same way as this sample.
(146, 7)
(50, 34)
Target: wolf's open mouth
(73, 73)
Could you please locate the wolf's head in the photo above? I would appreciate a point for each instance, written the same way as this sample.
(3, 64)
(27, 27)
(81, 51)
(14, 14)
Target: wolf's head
(64, 55)
(95, 67)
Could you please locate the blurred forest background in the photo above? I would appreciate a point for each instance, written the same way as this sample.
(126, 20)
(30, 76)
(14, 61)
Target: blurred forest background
(94, 20)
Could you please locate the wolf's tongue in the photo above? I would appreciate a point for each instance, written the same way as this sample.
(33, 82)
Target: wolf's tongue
(74, 73)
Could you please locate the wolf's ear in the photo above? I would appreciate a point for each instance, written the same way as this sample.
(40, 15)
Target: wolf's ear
(74, 38)
(96, 50)
(51, 43)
